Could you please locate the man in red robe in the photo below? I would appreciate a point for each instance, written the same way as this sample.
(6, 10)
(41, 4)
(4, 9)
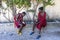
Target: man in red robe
(41, 21)
(18, 21)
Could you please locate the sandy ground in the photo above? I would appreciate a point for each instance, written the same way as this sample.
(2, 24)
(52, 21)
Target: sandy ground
(8, 32)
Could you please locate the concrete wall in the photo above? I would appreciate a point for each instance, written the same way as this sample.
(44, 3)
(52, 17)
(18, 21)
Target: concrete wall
(52, 11)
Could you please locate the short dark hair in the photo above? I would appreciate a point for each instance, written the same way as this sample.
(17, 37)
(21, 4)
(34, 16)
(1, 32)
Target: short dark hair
(41, 8)
(24, 13)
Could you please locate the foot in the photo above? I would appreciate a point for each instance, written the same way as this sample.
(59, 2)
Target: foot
(19, 33)
(38, 36)
(31, 33)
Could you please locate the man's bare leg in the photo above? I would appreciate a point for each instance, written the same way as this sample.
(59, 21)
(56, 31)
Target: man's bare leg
(33, 29)
(20, 30)
(39, 35)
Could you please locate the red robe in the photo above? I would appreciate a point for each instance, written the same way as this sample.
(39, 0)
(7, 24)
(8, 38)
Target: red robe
(41, 20)
(18, 19)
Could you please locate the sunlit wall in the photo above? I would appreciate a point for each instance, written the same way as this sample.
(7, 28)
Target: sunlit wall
(52, 11)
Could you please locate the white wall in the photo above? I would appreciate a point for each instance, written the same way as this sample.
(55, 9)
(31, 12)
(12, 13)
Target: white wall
(52, 11)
